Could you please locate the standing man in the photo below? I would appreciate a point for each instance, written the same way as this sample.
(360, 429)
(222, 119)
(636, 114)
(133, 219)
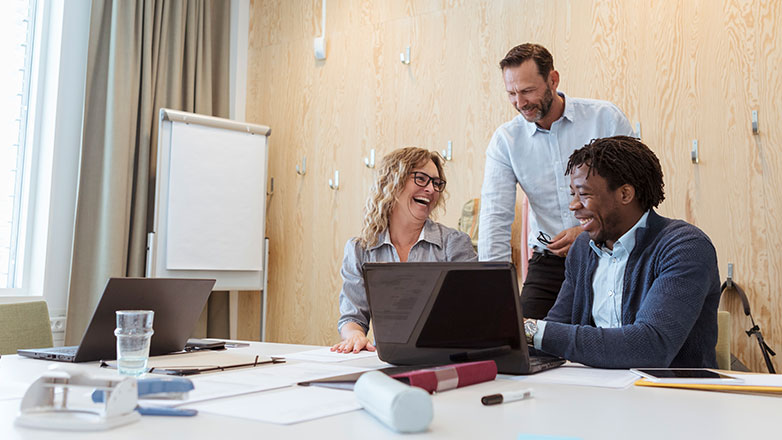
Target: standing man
(531, 150)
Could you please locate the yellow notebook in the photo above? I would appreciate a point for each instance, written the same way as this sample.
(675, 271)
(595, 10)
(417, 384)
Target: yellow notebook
(764, 384)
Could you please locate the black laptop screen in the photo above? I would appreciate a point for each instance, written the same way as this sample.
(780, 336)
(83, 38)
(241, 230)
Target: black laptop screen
(474, 309)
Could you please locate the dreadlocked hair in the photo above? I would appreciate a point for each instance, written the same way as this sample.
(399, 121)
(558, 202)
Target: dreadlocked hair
(623, 160)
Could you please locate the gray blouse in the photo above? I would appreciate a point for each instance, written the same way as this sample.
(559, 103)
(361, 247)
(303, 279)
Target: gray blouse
(436, 243)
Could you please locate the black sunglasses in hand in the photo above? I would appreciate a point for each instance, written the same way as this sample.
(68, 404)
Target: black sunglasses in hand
(544, 238)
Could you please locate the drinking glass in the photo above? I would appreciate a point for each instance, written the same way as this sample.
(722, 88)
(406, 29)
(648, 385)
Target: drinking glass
(134, 333)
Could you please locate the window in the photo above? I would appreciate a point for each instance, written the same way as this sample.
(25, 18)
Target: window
(17, 28)
(44, 53)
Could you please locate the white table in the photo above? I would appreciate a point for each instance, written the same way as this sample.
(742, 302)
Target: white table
(562, 410)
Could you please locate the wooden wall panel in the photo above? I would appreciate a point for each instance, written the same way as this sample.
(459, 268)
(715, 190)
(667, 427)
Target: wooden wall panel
(685, 70)
(248, 326)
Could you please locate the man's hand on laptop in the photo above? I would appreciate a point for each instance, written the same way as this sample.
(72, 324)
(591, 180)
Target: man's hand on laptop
(353, 340)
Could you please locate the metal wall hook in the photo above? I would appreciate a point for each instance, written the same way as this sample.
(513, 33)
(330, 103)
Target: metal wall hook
(405, 57)
(334, 184)
(370, 161)
(448, 152)
(729, 280)
(270, 192)
(754, 122)
(303, 170)
(694, 156)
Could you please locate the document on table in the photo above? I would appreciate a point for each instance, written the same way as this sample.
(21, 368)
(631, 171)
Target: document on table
(307, 371)
(252, 380)
(759, 380)
(577, 374)
(326, 355)
(216, 386)
(285, 406)
(12, 391)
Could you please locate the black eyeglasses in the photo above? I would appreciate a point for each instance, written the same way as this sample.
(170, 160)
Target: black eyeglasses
(423, 179)
(544, 238)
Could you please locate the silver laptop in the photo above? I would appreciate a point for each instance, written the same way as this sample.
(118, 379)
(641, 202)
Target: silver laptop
(437, 313)
(177, 303)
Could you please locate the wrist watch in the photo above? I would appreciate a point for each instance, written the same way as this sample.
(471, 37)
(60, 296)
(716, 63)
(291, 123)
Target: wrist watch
(530, 328)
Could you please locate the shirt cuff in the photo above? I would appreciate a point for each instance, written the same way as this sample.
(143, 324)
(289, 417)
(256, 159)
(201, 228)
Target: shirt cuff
(537, 340)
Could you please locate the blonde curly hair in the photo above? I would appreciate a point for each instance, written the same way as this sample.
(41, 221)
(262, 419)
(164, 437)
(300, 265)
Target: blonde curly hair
(390, 180)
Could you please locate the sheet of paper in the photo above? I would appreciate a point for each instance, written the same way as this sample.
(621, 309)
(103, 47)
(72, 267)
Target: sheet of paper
(544, 437)
(215, 224)
(286, 406)
(252, 380)
(205, 359)
(326, 355)
(761, 380)
(306, 371)
(12, 391)
(580, 375)
(215, 386)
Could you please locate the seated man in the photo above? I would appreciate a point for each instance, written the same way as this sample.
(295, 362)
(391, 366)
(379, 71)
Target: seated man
(640, 290)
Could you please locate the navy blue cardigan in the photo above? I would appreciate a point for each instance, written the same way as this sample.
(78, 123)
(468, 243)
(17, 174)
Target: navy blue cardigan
(669, 303)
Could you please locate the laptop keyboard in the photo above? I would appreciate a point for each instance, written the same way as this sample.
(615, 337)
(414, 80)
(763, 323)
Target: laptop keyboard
(540, 360)
(536, 362)
(69, 350)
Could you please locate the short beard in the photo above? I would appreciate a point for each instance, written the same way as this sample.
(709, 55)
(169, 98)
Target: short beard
(543, 108)
(608, 228)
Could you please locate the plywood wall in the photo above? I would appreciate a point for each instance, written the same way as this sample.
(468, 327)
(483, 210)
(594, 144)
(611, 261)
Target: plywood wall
(685, 70)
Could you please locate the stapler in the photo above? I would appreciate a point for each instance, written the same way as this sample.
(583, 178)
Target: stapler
(49, 404)
(159, 388)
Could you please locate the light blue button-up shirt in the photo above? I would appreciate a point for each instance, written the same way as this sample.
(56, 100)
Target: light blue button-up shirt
(607, 282)
(522, 152)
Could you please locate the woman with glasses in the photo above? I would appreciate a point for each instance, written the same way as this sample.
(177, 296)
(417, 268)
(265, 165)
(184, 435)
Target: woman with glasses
(409, 185)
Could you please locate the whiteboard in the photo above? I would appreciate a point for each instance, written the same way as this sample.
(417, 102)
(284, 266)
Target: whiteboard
(210, 199)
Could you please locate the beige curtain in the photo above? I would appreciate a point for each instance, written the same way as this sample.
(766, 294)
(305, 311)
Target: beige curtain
(143, 55)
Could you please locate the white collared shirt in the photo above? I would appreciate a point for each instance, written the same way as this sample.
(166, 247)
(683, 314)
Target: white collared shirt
(535, 158)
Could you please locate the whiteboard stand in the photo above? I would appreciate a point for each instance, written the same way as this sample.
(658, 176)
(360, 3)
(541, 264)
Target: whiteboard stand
(265, 297)
(233, 301)
(233, 314)
(210, 204)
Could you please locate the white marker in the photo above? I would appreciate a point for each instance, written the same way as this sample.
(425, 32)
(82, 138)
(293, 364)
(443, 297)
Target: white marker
(508, 396)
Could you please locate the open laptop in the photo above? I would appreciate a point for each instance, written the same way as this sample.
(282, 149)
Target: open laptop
(177, 303)
(437, 313)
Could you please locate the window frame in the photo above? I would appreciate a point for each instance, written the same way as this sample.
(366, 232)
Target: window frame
(48, 202)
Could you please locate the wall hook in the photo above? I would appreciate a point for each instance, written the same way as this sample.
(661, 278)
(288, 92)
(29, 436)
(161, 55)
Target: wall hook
(405, 57)
(754, 122)
(729, 281)
(303, 170)
(448, 152)
(334, 184)
(694, 153)
(370, 161)
(270, 192)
